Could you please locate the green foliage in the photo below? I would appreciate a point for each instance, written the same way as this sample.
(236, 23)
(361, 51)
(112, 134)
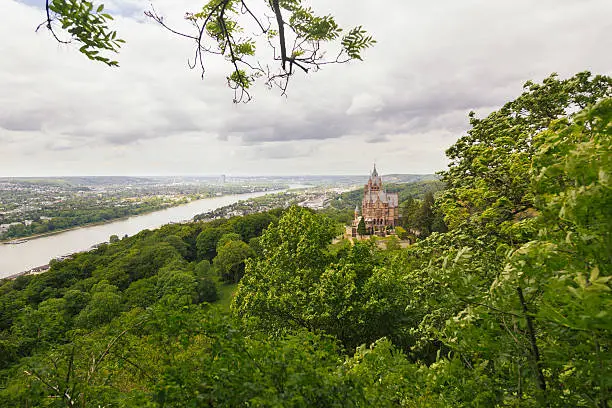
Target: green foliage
(299, 283)
(490, 163)
(361, 227)
(401, 233)
(508, 293)
(176, 286)
(87, 25)
(252, 225)
(104, 305)
(508, 308)
(230, 260)
(225, 238)
(355, 41)
(218, 30)
(392, 243)
(422, 218)
(207, 243)
(142, 293)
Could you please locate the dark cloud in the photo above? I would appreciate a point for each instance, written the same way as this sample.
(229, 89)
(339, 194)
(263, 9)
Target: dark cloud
(430, 109)
(377, 139)
(283, 127)
(21, 123)
(429, 104)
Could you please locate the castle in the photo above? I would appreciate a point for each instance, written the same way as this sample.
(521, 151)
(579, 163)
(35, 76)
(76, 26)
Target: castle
(379, 209)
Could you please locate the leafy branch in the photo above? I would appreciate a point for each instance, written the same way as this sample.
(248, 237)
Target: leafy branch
(86, 25)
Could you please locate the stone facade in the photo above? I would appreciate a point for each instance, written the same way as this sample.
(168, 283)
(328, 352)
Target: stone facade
(379, 209)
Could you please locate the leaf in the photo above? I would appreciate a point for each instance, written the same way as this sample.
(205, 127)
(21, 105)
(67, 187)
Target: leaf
(594, 274)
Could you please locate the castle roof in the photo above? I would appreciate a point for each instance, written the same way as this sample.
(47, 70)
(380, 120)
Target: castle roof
(392, 199)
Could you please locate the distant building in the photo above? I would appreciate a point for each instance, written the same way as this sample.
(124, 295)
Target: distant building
(379, 209)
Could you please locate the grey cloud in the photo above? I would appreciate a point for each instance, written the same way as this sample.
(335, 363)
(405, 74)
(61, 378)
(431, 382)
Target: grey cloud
(377, 139)
(280, 126)
(22, 123)
(59, 145)
(122, 133)
(430, 109)
(280, 151)
(424, 103)
(160, 124)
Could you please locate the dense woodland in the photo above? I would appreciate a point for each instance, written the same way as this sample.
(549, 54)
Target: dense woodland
(507, 304)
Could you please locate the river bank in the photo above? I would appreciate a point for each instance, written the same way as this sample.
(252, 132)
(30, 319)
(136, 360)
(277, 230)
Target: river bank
(177, 203)
(15, 259)
(61, 231)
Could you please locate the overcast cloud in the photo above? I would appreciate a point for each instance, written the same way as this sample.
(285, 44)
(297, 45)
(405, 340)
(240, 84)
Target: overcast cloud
(61, 114)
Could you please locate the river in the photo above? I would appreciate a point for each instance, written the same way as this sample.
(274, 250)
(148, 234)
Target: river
(17, 258)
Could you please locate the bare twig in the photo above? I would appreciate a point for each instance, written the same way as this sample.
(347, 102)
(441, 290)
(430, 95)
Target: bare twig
(48, 22)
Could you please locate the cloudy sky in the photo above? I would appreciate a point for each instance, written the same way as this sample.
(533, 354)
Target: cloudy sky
(61, 114)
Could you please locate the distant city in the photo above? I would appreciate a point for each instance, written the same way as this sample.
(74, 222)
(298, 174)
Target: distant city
(40, 205)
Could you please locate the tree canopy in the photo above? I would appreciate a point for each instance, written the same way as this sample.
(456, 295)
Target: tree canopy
(297, 37)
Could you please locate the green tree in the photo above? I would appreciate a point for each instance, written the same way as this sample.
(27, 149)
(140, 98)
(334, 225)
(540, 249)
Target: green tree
(361, 227)
(105, 304)
(225, 238)
(230, 260)
(294, 256)
(76, 300)
(401, 233)
(206, 243)
(392, 243)
(496, 288)
(299, 283)
(181, 246)
(142, 293)
(409, 209)
(298, 35)
(425, 215)
(487, 183)
(252, 225)
(568, 265)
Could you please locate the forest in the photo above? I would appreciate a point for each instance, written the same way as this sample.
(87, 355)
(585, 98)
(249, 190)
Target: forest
(507, 304)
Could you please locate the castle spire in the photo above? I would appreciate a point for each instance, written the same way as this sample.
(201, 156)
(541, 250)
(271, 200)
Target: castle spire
(374, 172)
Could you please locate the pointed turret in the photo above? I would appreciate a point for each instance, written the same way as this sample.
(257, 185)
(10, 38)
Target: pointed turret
(375, 182)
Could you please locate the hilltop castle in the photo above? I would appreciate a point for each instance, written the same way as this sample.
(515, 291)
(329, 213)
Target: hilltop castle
(379, 209)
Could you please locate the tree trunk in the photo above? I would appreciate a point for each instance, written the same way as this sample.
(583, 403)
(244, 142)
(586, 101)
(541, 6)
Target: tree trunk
(535, 352)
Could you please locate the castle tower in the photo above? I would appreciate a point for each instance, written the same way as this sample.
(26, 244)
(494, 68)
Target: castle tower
(379, 208)
(375, 181)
